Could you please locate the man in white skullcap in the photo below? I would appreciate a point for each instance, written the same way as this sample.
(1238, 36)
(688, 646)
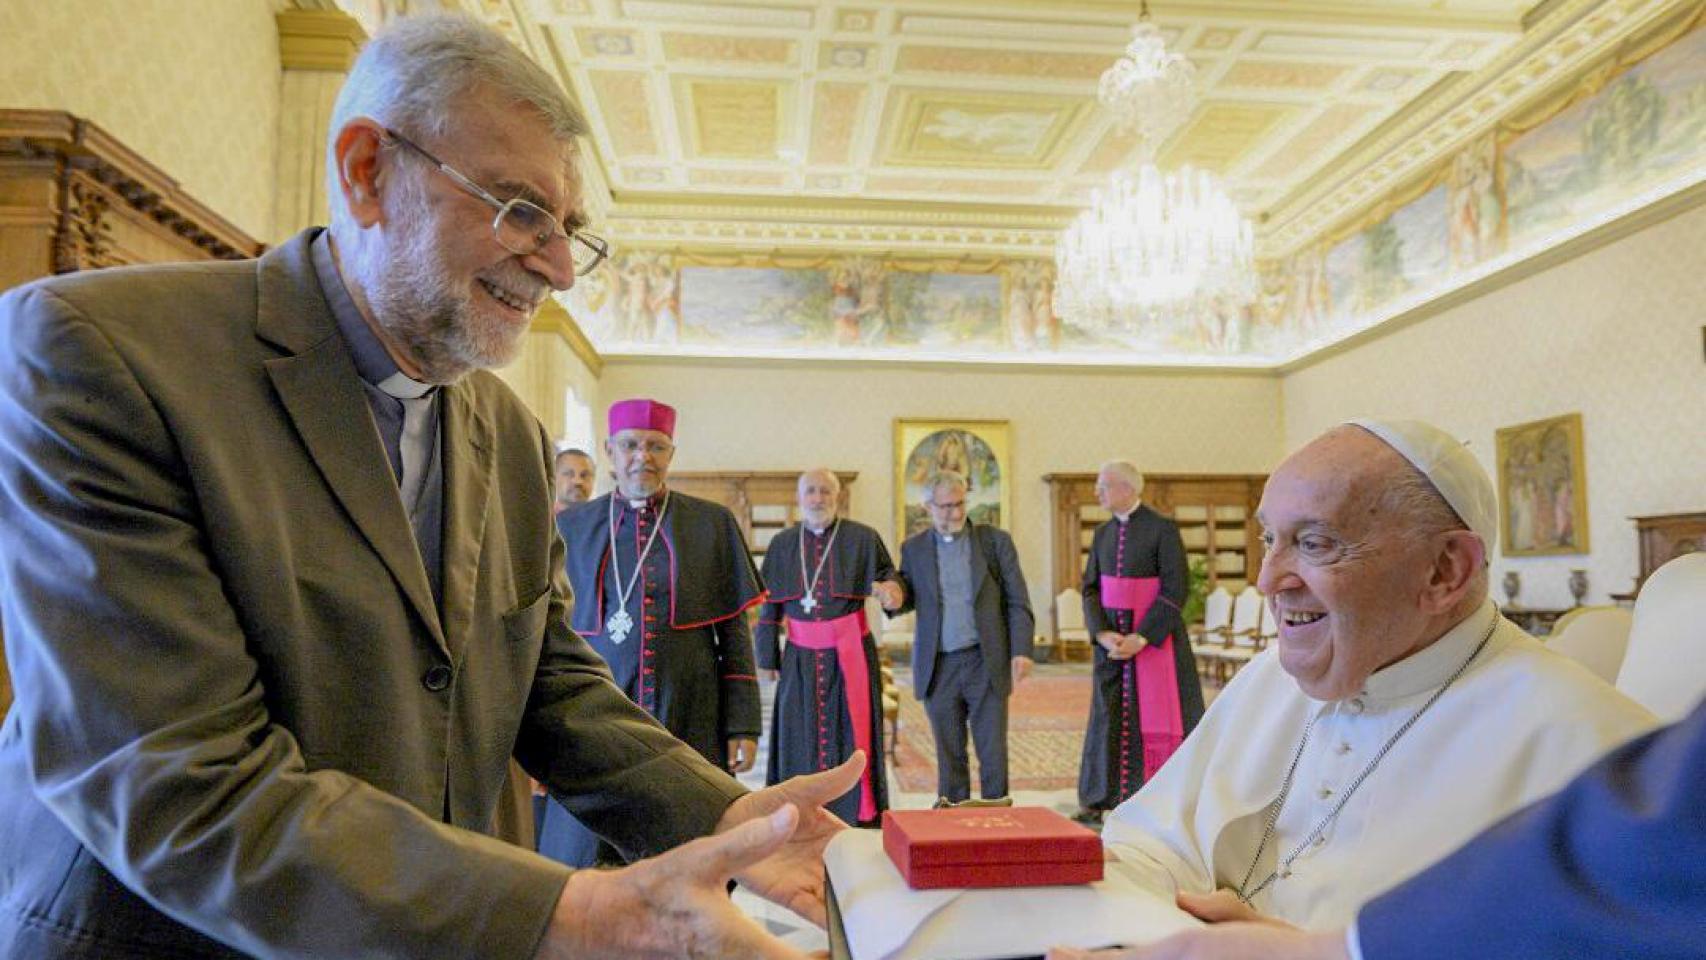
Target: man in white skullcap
(1397, 715)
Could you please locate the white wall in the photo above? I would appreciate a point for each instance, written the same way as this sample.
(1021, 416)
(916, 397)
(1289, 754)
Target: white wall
(542, 373)
(764, 416)
(190, 85)
(1615, 334)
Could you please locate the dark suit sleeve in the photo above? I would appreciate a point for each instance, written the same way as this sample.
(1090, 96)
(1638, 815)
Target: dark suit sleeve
(766, 648)
(882, 566)
(1614, 865)
(1175, 578)
(1095, 618)
(143, 714)
(1021, 623)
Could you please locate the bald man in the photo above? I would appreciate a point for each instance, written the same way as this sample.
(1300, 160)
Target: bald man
(829, 696)
(1145, 695)
(1397, 715)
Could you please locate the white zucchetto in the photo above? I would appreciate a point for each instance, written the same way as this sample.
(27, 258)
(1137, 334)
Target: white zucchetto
(1449, 466)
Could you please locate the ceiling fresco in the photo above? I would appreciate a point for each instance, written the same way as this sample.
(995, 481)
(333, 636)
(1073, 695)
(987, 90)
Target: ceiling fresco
(902, 132)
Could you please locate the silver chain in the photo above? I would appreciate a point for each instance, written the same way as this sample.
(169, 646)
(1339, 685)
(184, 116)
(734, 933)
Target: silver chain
(810, 586)
(1283, 868)
(622, 594)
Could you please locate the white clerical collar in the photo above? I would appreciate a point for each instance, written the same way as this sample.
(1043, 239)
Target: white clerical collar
(1434, 664)
(1123, 517)
(404, 387)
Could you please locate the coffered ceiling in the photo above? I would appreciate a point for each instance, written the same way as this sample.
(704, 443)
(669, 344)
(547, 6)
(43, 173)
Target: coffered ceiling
(972, 111)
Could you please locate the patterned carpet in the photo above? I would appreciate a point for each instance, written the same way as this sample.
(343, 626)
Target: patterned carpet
(1044, 737)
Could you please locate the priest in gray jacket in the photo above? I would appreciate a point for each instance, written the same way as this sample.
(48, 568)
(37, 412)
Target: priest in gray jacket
(973, 637)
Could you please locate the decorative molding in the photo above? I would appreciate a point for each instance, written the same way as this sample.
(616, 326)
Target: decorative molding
(554, 318)
(631, 232)
(1502, 274)
(83, 239)
(1573, 35)
(318, 40)
(79, 147)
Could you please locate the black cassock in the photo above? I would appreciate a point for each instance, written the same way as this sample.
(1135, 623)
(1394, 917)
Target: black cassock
(812, 727)
(687, 658)
(1146, 545)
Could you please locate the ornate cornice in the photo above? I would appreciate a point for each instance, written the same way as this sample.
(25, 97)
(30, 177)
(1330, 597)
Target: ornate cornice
(553, 318)
(77, 145)
(1570, 37)
(851, 237)
(318, 40)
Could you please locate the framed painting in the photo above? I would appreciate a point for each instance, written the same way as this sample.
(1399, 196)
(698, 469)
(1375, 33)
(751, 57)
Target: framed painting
(978, 449)
(1543, 491)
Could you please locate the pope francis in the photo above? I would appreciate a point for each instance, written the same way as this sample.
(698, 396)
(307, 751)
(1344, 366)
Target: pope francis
(1398, 714)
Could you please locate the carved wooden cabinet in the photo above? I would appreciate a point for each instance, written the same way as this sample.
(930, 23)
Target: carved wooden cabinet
(765, 501)
(1215, 514)
(1664, 538)
(74, 198)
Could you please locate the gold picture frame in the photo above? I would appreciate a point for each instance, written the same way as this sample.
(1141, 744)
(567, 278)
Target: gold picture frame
(981, 449)
(1543, 490)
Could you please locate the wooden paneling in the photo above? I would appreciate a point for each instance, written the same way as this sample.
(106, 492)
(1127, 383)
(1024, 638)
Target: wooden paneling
(74, 198)
(1215, 514)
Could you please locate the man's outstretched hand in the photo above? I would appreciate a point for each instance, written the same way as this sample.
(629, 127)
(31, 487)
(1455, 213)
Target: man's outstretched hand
(672, 905)
(792, 876)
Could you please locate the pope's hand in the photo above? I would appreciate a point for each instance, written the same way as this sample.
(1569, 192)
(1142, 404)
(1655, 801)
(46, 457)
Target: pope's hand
(672, 905)
(792, 875)
(743, 753)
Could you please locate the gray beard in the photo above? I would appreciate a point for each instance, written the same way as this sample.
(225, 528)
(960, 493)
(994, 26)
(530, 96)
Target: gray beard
(415, 303)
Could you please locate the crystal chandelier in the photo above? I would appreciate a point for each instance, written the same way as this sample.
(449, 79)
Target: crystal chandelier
(1150, 91)
(1153, 243)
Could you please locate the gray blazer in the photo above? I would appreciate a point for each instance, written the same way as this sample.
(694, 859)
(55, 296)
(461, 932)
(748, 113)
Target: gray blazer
(242, 722)
(1000, 603)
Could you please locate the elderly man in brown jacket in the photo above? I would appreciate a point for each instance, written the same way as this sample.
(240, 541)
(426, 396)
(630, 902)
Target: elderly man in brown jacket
(283, 596)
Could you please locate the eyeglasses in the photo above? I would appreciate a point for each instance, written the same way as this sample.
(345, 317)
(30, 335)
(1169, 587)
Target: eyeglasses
(630, 446)
(946, 507)
(521, 226)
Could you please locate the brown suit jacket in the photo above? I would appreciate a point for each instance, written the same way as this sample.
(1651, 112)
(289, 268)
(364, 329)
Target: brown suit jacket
(241, 720)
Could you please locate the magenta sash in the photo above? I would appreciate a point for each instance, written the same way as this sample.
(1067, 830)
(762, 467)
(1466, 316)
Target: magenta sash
(846, 636)
(1136, 594)
(1160, 719)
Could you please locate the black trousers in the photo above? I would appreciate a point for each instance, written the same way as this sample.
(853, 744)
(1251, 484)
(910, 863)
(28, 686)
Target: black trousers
(961, 692)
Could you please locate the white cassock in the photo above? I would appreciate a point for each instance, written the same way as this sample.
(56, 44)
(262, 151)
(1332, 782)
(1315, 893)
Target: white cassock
(1518, 724)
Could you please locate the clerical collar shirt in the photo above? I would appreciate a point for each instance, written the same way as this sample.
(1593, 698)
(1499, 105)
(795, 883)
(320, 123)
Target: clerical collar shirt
(953, 575)
(1518, 724)
(387, 388)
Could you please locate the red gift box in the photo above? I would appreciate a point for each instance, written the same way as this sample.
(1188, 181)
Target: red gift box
(990, 847)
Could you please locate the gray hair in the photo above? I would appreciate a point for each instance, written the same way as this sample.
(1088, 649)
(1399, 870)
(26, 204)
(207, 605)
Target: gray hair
(1125, 470)
(414, 69)
(1411, 499)
(950, 479)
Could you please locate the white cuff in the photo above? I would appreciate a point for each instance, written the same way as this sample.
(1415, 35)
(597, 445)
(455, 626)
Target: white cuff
(1353, 943)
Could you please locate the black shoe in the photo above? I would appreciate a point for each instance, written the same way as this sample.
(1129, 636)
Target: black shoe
(1088, 816)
